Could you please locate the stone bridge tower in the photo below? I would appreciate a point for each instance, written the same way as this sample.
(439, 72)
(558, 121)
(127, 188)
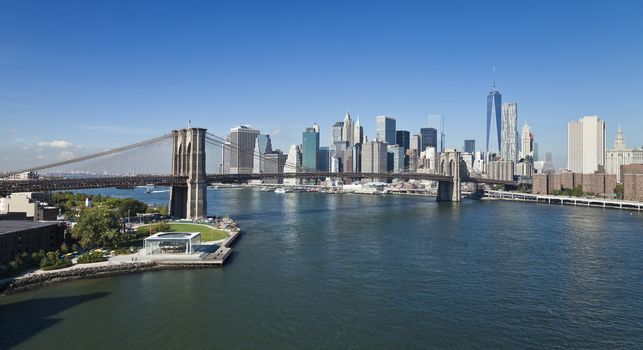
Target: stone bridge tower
(188, 159)
(450, 164)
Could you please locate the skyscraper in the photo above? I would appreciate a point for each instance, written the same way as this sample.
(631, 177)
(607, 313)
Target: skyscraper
(429, 138)
(358, 133)
(324, 159)
(293, 164)
(347, 130)
(310, 148)
(586, 145)
(385, 129)
(526, 144)
(242, 147)
(374, 157)
(508, 145)
(397, 154)
(336, 133)
(416, 143)
(263, 146)
(274, 163)
(470, 146)
(403, 139)
(494, 119)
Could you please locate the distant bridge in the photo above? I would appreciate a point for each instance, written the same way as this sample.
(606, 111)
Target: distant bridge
(188, 177)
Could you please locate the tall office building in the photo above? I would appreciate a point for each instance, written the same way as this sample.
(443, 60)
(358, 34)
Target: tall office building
(336, 133)
(224, 167)
(586, 145)
(242, 147)
(494, 120)
(385, 129)
(536, 155)
(429, 138)
(470, 146)
(263, 146)
(403, 139)
(416, 143)
(374, 157)
(324, 159)
(509, 132)
(619, 155)
(396, 154)
(274, 163)
(293, 164)
(527, 144)
(358, 133)
(347, 130)
(310, 148)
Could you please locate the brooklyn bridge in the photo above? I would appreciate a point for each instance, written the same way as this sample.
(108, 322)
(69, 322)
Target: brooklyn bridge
(182, 153)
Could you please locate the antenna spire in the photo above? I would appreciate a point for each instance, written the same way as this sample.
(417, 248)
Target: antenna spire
(494, 77)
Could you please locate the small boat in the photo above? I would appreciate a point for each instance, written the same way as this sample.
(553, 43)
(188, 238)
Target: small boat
(280, 190)
(265, 189)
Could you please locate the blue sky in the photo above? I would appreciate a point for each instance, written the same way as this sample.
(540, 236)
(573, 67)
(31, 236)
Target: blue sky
(98, 74)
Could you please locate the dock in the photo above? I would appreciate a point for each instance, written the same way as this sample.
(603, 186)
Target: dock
(564, 200)
(207, 256)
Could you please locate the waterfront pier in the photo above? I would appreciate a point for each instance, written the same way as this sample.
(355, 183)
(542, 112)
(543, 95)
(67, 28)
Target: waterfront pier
(564, 200)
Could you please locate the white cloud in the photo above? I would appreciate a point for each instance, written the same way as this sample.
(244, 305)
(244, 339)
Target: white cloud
(40, 156)
(55, 144)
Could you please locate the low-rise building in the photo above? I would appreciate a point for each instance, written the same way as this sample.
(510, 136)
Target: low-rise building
(597, 183)
(24, 236)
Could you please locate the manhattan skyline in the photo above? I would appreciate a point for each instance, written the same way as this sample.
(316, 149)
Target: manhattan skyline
(103, 85)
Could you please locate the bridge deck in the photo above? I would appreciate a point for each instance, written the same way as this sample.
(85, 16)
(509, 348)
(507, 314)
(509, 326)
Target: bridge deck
(55, 184)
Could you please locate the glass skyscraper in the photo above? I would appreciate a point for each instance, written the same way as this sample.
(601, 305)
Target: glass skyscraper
(470, 146)
(429, 138)
(403, 139)
(494, 119)
(310, 152)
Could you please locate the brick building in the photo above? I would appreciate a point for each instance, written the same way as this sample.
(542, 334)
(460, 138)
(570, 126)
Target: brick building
(632, 175)
(18, 236)
(597, 183)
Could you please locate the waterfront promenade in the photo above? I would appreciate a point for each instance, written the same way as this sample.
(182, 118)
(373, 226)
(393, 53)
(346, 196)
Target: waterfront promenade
(564, 200)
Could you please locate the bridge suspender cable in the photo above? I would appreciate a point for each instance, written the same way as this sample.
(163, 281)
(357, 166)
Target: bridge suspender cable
(96, 155)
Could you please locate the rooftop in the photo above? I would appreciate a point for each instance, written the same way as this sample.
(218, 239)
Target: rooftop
(169, 236)
(9, 226)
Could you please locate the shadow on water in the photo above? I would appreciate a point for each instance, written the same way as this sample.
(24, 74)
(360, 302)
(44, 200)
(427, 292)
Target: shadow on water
(22, 320)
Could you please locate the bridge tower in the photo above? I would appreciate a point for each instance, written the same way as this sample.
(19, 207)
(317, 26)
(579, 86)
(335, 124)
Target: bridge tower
(188, 159)
(450, 164)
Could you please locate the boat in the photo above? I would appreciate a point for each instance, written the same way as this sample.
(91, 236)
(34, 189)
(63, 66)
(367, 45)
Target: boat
(265, 189)
(280, 190)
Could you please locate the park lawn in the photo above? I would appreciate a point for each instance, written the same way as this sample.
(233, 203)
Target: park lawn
(207, 233)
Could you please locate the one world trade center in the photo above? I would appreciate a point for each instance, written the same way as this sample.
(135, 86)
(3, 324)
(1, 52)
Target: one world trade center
(494, 119)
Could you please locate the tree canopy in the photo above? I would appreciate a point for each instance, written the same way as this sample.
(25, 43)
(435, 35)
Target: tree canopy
(97, 226)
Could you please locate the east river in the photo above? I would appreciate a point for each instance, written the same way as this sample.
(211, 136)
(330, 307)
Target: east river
(365, 272)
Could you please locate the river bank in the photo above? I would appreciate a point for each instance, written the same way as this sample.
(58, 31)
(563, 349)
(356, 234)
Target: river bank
(120, 265)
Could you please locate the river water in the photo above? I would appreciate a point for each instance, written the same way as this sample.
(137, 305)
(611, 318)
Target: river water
(365, 272)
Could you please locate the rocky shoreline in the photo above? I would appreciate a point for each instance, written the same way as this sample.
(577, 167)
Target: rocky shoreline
(39, 279)
(33, 281)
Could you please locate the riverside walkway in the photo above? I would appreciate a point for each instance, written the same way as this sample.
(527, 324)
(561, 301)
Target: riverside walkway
(564, 200)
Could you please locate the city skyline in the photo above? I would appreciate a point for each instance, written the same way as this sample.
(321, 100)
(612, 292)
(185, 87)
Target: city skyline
(82, 100)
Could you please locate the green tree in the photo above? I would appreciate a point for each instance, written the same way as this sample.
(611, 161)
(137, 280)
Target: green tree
(619, 190)
(97, 226)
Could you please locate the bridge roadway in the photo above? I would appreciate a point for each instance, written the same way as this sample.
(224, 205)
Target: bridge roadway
(62, 183)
